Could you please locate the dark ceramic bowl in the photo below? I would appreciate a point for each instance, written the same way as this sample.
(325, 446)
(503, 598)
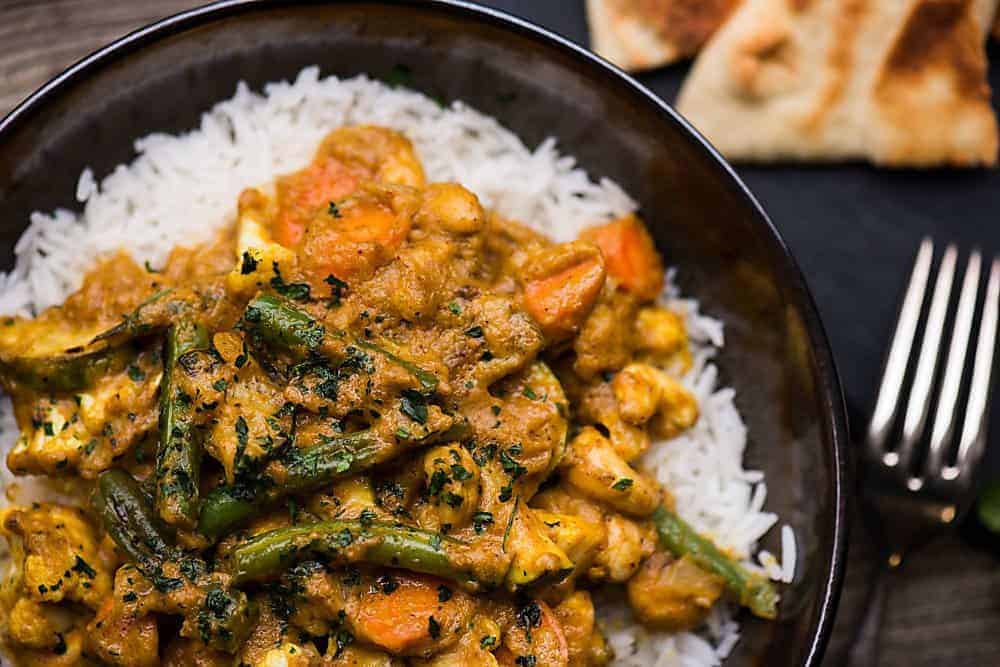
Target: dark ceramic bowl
(705, 221)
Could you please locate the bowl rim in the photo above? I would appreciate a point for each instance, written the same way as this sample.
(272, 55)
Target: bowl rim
(831, 392)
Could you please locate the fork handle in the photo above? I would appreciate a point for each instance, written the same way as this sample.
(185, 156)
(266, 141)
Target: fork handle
(867, 641)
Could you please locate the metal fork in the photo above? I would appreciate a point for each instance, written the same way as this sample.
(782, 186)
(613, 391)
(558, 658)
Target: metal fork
(915, 485)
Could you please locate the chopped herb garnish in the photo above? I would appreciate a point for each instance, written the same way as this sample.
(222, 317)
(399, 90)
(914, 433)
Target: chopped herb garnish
(333, 210)
(622, 485)
(413, 404)
(399, 75)
(337, 289)
(344, 538)
(60, 647)
(506, 492)
(387, 583)
(480, 520)
(459, 472)
(344, 639)
(474, 332)
(136, 374)
(249, 264)
(530, 393)
(83, 567)
(293, 291)
(487, 642)
(438, 480)
(444, 593)
(433, 628)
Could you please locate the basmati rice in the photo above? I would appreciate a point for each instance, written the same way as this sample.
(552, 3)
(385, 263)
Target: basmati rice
(181, 188)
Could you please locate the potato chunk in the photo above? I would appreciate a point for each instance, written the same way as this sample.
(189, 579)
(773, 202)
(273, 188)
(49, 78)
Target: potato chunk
(672, 594)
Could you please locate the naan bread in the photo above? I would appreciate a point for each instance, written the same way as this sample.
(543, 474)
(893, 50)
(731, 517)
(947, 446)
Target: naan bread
(641, 34)
(897, 82)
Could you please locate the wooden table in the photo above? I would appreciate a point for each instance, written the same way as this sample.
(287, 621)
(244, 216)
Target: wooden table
(946, 609)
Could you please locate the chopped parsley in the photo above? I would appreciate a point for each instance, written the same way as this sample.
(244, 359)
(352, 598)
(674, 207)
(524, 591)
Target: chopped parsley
(459, 472)
(480, 520)
(333, 211)
(474, 332)
(622, 485)
(83, 567)
(387, 583)
(337, 289)
(444, 593)
(249, 264)
(433, 628)
(293, 291)
(438, 480)
(413, 404)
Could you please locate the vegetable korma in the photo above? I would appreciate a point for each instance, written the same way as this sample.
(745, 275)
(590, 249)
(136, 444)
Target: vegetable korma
(370, 424)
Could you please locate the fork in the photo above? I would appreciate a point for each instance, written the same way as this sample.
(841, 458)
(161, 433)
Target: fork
(915, 485)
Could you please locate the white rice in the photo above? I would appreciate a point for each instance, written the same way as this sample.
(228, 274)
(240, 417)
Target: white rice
(181, 188)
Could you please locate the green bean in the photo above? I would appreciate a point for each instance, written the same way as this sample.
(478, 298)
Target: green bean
(223, 616)
(281, 325)
(64, 372)
(301, 469)
(750, 590)
(178, 456)
(128, 519)
(146, 318)
(351, 542)
(428, 381)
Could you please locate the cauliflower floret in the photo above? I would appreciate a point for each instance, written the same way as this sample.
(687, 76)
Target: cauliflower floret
(62, 560)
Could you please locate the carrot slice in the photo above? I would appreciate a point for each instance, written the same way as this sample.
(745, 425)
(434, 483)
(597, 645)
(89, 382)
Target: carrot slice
(355, 240)
(630, 255)
(562, 287)
(400, 621)
(302, 194)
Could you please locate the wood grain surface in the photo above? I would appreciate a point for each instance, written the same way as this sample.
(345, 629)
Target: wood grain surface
(945, 609)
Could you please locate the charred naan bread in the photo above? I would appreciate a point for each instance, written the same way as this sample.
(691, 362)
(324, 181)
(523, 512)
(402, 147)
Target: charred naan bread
(641, 34)
(897, 82)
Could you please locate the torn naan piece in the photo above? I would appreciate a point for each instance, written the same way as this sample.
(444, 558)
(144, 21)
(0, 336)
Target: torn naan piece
(897, 82)
(642, 34)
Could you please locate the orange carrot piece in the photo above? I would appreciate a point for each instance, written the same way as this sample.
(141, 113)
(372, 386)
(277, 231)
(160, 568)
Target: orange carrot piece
(563, 286)
(302, 194)
(361, 237)
(630, 255)
(400, 621)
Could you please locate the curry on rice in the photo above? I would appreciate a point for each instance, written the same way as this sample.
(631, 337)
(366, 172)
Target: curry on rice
(370, 424)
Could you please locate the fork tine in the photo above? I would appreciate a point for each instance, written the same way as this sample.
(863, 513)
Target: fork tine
(923, 380)
(970, 445)
(887, 403)
(944, 417)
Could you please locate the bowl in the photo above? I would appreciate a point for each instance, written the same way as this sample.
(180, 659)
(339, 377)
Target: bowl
(704, 220)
